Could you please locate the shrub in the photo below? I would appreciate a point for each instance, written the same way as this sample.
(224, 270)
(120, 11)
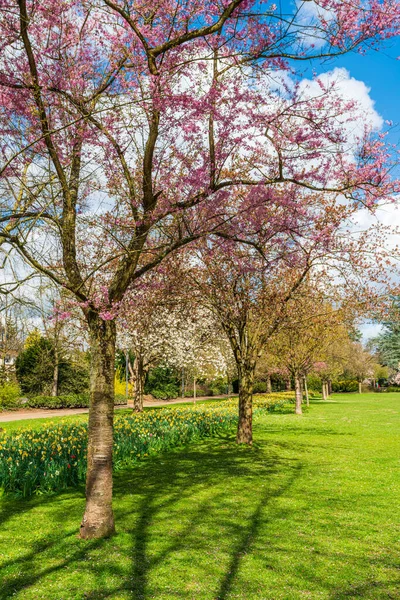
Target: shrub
(70, 401)
(260, 387)
(9, 395)
(218, 387)
(163, 383)
(165, 391)
(35, 369)
(345, 386)
(314, 382)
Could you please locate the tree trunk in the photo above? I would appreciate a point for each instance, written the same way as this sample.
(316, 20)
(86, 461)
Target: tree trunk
(54, 389)
(269, 386)
(98, 519)
(299, 394)
(359, 387)
(245, 423)
(329, 384)
(139, 385)
(288, 384)
(323, 391)
(306, 391)
(194, 390)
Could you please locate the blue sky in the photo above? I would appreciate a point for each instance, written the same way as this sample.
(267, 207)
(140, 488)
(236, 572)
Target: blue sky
(380, 71)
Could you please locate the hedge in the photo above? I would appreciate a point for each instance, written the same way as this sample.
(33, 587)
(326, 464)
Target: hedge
(70, 401)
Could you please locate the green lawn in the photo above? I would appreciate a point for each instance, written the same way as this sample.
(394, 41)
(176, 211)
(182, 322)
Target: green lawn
(311, 511)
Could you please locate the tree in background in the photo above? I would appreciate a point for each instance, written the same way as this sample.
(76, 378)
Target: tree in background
(360, 363)
(311, 325)
(35, 368)
(163, 326)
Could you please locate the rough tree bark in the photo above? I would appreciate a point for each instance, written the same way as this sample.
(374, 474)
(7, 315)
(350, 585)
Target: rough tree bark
(245, 423)
(98, 519)
(269, 386)
(299, 394)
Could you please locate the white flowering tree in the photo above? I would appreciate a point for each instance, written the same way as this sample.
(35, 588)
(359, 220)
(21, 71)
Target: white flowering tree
(169, 329)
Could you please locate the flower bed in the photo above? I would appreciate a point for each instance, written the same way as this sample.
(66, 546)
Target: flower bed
(54, 457)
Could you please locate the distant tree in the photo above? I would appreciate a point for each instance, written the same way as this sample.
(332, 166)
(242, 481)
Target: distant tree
(35, 368)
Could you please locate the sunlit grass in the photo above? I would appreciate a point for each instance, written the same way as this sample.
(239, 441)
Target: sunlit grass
(311, 511)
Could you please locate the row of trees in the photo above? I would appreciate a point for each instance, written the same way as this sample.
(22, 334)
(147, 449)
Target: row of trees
(132, 130)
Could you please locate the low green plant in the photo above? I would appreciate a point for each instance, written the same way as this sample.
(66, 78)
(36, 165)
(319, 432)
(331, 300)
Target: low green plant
(345, 386)
(260, 387)
(9, 395)
(165, 391)
(67, 401)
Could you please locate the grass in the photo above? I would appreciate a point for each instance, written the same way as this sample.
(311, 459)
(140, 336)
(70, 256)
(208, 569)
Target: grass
(311, 511)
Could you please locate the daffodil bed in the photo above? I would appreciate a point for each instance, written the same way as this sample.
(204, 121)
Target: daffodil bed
(54, 457)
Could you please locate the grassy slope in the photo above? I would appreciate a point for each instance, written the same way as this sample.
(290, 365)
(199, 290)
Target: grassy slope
(311, 511)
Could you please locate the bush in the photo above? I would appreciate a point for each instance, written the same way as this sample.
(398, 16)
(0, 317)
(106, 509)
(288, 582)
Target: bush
(70, 401)
(35, 370)
(9, 395)
(314, 382)
(345, 386)
(162, 383)
(391, 388)
(218, 387)
(165, 391)
(260, 387)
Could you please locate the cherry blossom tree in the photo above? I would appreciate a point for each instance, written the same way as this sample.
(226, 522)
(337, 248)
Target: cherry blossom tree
(132, 129)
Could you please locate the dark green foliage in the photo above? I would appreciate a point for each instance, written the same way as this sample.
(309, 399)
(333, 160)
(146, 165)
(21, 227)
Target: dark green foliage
(73, 378)
(166, 391)
(260, 387)
(163, 383)
(218, 387)
(35, 367)
(35, 370)
(345, 386)
(388, 346)
(314, 382)
(67, 401)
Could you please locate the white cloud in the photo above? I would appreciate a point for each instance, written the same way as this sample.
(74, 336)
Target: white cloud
(347, 88)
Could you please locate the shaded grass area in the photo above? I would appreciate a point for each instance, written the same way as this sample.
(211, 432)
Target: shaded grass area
(311, 511)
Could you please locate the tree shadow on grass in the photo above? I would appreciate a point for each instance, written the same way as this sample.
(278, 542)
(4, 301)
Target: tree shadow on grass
(142, 495)
(188, 473)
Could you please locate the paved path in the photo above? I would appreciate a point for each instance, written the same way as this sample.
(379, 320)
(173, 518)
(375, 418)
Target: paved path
(40, 413)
